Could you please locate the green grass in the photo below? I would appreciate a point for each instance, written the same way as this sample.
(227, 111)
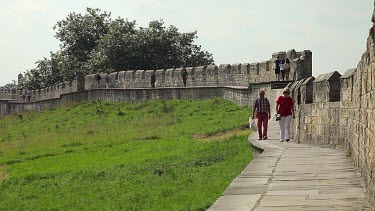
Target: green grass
(115, 156)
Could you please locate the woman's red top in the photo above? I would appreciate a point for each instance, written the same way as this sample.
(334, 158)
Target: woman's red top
(286, 105)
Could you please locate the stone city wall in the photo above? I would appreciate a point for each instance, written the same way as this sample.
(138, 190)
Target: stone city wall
(240, 96)
(338, 111)
(223, 75)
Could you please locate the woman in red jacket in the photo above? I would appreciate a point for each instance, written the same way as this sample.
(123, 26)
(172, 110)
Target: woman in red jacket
(285, 107)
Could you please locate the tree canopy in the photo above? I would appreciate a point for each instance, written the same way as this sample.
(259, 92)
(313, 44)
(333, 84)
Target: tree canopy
(94, 42)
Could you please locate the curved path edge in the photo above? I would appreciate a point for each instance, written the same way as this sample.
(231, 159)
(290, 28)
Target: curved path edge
(291, 176)
(247, 189)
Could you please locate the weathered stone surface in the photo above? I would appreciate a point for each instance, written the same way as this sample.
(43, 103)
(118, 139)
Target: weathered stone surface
(290, 176)
(347, 124)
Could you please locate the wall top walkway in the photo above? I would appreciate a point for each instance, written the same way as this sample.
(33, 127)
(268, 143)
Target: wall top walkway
(291, 176)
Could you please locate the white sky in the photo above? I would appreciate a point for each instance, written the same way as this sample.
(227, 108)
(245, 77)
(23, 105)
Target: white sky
(235, 31)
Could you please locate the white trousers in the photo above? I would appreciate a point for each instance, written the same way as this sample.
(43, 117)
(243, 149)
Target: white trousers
(284, 123)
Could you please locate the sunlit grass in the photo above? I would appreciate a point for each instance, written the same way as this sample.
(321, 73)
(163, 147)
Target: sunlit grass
(115, 156)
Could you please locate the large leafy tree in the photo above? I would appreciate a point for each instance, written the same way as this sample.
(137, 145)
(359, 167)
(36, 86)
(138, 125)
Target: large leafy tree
(93, 42)
(79, 34)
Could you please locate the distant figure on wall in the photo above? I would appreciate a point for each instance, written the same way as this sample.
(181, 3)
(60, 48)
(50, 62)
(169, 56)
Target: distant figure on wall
(107, 81)
(287, 68)
(23, 96)
(282, 70)
(98, 78)
(29, 94)
(153, 80)
(277, 68)
(184, 76)
(262, 109)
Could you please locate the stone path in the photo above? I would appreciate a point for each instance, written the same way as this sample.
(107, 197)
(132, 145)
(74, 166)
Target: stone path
(292, 177)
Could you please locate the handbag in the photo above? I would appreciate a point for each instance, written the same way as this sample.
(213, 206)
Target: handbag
(278, 116)
(253, 125)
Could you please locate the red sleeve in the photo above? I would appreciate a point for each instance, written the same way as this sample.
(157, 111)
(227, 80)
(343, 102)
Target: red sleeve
(278, 101)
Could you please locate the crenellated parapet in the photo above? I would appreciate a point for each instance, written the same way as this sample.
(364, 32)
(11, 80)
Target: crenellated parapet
(338, 111)
(238, 74)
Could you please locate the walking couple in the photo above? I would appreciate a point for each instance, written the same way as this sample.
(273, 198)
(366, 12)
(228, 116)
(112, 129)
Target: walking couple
(284, 107)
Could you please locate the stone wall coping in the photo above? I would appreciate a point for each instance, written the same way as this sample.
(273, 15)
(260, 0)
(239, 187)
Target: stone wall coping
(349, 73)
(8, 100)
(309, 80)
(328, 77)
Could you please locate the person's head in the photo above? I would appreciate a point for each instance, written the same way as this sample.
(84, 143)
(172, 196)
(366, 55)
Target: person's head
(286, 92)
(283, 61)
(262, 93)
(287, 60)
(278, 57)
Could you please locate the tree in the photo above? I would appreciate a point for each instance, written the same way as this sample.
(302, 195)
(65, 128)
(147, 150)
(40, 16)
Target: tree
(93, 42)
(80, 34)
(148, 48)
(10, 85)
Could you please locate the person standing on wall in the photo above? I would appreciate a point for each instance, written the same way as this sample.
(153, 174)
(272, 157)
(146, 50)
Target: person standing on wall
(277, 68)
(98, 78)
(282, 69)
(184, 76)
(263, 113)
(297, 75)
(107, 81)
(287, 68)
(285, 108)
(153, 80)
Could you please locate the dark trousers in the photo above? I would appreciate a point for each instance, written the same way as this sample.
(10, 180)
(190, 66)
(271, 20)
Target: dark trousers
(262, 121)
(283, 74)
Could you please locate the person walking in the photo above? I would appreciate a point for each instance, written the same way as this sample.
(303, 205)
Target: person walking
(277, 68)
(184, 76)
(98, 78)
(282, 69)
(262, 109)
(287, 68)
(285, 108)
(153, 80)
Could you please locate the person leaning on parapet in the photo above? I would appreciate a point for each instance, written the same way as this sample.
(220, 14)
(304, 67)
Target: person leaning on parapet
(184, 75)
(287, 68)
(277, 68)
(263, 113)
(153, 80)
(285, 108)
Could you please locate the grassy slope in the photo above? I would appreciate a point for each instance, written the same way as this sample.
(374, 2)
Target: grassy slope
(107, 156)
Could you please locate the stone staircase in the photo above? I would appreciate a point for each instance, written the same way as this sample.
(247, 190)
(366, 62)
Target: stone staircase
(279, 84)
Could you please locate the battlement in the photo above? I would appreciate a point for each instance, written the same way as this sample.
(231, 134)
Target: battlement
(337, 111)
(239, 74)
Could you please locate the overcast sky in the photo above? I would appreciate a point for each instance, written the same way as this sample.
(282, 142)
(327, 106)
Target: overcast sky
(235, 31)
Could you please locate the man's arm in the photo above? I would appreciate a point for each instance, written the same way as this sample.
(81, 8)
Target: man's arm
(254, 109)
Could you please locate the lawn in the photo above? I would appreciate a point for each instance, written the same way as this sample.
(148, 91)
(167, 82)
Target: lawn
(157, 155)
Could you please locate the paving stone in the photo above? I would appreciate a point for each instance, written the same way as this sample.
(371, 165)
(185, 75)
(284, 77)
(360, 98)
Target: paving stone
(235, 203)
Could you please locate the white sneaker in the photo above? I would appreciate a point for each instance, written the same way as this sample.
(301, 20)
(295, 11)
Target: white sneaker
(281, 140)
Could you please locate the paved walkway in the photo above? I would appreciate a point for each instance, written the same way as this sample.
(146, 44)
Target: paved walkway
(292, 177)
